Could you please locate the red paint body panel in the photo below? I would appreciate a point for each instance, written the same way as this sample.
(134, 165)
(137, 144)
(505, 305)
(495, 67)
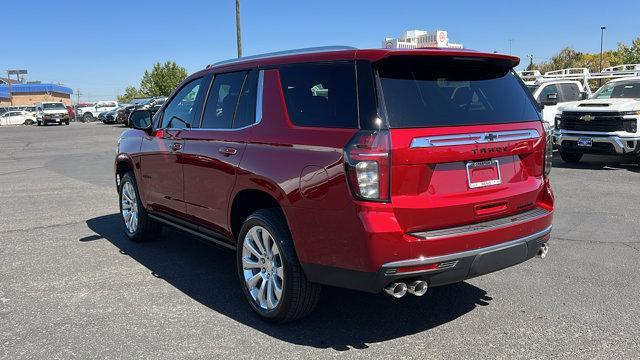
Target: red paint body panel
(303, 169)
(210, 176)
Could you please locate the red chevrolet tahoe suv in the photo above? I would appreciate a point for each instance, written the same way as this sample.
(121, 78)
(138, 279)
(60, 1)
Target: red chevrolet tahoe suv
(373, 170)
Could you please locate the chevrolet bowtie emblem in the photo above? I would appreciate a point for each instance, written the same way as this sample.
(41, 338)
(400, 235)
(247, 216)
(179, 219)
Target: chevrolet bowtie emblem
(587, 117)
(490, 137)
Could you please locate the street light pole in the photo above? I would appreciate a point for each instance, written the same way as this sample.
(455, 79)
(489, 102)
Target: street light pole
(602, 29)
(238, 34)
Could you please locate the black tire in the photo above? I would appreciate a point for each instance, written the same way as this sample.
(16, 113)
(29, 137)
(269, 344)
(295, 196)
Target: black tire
(570, 157)
(299, 296)
(87, 117)
(28, 122)
(147, 228)
(41, 123)
(66, 122)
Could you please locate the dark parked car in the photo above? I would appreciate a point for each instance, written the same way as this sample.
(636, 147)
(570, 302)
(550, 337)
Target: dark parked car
(137, 104)
(374, 170)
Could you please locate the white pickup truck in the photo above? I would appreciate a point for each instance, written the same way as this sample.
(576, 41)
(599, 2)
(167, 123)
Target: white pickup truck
(51, 112)
(90, 113)
(553, 92)
(607, 123)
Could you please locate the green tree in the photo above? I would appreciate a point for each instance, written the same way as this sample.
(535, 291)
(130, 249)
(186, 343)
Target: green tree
(627, 54)
(570, 58)
(162, 79)
(130, 93)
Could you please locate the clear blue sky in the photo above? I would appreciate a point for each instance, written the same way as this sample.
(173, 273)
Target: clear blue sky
(103, 46)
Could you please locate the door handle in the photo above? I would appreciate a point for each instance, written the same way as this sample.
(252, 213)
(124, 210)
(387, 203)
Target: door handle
(176, 146)
(227, 151)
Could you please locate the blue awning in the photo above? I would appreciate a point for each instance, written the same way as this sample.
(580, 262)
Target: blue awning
(35, 88)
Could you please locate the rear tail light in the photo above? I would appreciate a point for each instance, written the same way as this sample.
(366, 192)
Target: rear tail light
(548, 151)
(368, 165)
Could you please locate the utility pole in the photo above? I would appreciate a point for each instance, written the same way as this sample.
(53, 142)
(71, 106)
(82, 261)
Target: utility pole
(238, 34)
(77, 96)
(510, 41)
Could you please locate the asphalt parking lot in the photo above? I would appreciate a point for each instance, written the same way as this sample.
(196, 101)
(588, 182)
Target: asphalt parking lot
(72, 285)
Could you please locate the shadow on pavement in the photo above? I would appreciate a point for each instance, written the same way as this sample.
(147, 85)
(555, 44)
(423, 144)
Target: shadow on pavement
(342, 320)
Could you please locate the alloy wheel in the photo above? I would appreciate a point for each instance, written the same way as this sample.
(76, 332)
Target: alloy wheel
(262, 268)
(129, 207)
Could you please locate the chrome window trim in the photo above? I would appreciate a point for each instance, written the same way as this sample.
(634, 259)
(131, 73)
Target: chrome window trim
(473, 138)
(259, 98)
(258, 118)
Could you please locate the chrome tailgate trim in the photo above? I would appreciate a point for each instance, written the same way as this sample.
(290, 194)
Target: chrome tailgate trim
(482, 226)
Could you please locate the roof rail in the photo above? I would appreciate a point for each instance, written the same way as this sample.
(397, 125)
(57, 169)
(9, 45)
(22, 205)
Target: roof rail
(583, 74)
(631, 68)
(309, 50)
(567, 72)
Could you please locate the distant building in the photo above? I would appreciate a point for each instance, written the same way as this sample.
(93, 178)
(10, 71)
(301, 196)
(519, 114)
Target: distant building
(415, 39)
(29, 94)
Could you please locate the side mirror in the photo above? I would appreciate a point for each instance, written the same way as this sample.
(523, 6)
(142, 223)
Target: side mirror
(552, 99)
(141, 120)
(584, 95)
(38, 109)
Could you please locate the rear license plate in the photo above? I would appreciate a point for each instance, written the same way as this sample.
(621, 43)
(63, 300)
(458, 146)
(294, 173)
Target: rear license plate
(585, 142)
(483, 173)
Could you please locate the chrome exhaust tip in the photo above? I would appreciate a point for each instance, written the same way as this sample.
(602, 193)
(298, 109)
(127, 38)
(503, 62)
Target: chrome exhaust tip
(418, 288)
(542, 252)
(397, 290)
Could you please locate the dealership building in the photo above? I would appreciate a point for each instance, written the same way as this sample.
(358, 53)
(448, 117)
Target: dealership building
(416, 39)
(15, 93)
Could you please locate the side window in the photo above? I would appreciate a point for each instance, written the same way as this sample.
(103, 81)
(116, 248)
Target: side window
(549, 89)
(180, 113)
(322, 95)
(223, 100)
(570, 92)
(246, 112)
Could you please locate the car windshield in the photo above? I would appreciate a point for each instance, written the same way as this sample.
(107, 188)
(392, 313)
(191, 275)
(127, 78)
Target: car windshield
(619, 89)
(446, 92)
(532, 88)
(141, 101)
(53, 106)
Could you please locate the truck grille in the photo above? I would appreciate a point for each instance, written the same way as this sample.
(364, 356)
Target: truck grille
(598, 121)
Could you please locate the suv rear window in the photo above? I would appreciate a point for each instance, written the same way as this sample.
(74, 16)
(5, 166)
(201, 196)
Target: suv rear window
(443, 91)
(321, 95)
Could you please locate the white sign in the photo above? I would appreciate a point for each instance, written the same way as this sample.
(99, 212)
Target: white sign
(441, 39)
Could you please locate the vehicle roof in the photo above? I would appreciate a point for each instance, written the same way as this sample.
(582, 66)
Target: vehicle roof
(346, 53)
(546, 81)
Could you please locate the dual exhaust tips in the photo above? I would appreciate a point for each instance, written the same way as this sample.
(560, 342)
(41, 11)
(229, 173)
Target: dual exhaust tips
(420, 287)
(399, 289)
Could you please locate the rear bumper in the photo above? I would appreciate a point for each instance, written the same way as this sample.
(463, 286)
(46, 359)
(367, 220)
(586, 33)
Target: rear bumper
(602, 144)
(438, 270)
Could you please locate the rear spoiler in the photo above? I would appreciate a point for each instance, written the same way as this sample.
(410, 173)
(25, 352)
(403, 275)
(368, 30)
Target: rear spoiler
(458, 54)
